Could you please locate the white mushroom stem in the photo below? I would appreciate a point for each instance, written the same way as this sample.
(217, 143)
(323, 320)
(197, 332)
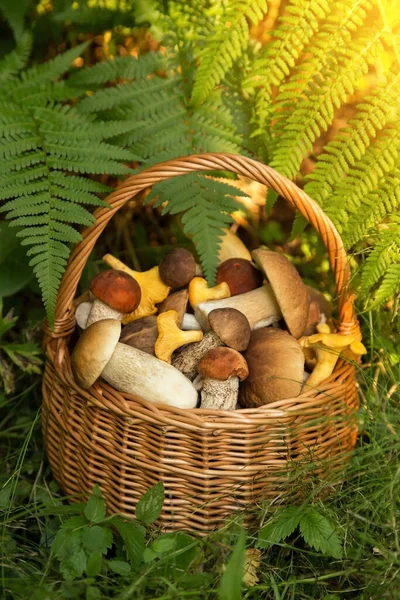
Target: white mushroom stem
(134, 372)
(190, 323)
(187, 360)
(198, 382)
(259, 306)
(220, 395)
(82, 313)
(101, 311)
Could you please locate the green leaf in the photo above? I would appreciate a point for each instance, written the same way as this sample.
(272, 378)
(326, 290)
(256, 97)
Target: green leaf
(15, 271)
(97, 538)
(149, 555)
(73, 566)
(94, 564)
(149, 507)
(165, 543)
(230, 587)
(75, 523)
(282, 524)
(66, 543)
(120, 567)
(319, 532)
(93, 593)
(95, 509)
(133, 536)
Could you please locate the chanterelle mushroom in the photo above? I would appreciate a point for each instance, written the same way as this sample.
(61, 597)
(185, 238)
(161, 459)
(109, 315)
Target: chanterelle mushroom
(328, 347)
(228, 327)
(115, 293)
(240, 275)
(98, 353)
(177, 301)
(153, 288)
(200, 292)
(288, 287)
(276, 365)
(221, 369)
(177, 267)
(170, 337)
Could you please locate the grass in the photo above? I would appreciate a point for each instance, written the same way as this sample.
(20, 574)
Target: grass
(364, 514)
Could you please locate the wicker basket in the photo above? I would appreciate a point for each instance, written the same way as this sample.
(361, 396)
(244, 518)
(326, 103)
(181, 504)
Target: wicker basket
(212, 463)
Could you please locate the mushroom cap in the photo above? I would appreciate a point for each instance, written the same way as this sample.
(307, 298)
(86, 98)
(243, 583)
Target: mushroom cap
(177, 301)
(240, 275)
(141, 336)
(93, 351)
(231, 326)
(177, 267)
(117, 289)
(288, 287)
(315, 296)
(221, 363)
(276, 365)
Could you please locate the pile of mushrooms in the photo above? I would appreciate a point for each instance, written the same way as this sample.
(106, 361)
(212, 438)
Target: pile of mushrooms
(259, 335)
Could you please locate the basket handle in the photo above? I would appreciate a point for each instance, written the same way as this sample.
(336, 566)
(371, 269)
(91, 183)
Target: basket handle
(240, 165)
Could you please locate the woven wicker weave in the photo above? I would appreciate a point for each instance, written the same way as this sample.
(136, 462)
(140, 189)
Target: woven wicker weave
(212, 463)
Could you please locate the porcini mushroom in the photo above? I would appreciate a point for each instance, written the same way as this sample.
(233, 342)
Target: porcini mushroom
(276, 366)
(115, 293)
(221, 369)
(200, 292)
(177, 301)
(328, 347)
(288, 287)
(98, 353)
(229, 327)
(153, 288)
(82, 313)
(259, 306)
(177, 267)
(170, 337)
(232, 247)
(144, 338)
(240, 275)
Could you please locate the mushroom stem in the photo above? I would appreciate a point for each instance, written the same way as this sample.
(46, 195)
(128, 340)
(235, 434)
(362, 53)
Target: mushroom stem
(82, 313)
(259, 306)
(326, 361)
(220, 395)
(190, 322)
(101, 311)
(187, 360)
(134, 372)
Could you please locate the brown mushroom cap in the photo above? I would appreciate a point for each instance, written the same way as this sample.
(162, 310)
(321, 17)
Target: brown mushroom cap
(231, 326)
(177, 267)
(93, 351)
(141, 334)
(288, 287)
(316, 296)
(221, 363)
(240, 275)
(117, 289)
(276, 365)
(177, 301)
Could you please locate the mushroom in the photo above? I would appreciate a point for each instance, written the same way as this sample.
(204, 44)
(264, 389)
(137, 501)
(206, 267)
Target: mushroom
(229, 327)
(200, 292)
(232, 247)
(153, 289)
(115, 294)
(288, 287)
(189, 322)
(177, 267)
(319, 310)
(177, 301)
(328, 347)
(240, 275)
(82, 313)
(170, 337)
(98, 353)
(276, 366)
(221, 369)
(143, 339)
(259, 306)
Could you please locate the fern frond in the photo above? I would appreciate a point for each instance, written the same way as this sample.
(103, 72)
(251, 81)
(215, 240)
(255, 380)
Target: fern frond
(297, 26)
(16, 60)
(120, 67)
(381, 273)
(350, 146)
(313, 114)
(226, 45)
(206, 205)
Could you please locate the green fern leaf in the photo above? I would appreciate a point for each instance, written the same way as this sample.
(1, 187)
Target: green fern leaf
(14, 62)
(226, 45)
